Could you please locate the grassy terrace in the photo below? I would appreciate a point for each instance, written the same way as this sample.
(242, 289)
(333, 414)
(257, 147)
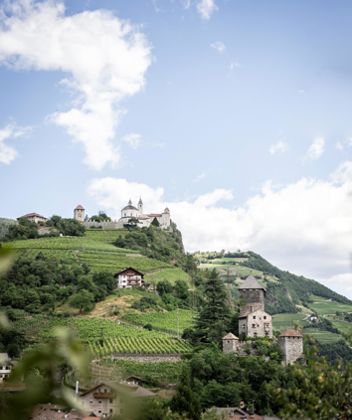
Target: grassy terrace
(287, 320)
(96, 249)
(103, 336)
(172, 321)
(160, 373)
(324, 306)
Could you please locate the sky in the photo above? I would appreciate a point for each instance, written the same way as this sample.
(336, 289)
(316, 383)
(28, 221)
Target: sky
(234, 114)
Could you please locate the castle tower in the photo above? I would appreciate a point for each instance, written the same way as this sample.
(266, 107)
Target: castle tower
(253, 320)
(291, 344)
(79, 213)
(253, 294)
(140, 206)
(165, 218)
(230, 343)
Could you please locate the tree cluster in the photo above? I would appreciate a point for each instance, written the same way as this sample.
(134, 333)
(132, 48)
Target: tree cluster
(38, 283)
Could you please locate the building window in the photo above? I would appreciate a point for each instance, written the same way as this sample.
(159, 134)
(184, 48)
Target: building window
(255, 334)
(254, 317)
(253, 325)
(264, 316)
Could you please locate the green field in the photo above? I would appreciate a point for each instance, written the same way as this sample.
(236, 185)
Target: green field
(324, 337)
(171, 274)
(344, 326)
(172, 321)
(104, 337)
(228, 269)
(95, 250)
(284, 321)
(159, 373)
(324, 306)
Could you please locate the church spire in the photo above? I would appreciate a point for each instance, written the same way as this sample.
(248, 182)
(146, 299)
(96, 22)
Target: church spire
(140, 205)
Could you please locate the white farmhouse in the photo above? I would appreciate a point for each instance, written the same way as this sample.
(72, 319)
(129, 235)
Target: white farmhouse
(34, 217)
(129, 278)
(5, 366)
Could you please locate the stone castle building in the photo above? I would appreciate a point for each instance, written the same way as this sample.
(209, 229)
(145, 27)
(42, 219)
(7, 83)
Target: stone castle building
(129, 214)
(253, 320)
(291, 344)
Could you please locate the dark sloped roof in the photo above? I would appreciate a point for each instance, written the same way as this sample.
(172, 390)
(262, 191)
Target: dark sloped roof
(129, 268)
(130, 207)
(32, 215)
(251, 283)
(79, 207)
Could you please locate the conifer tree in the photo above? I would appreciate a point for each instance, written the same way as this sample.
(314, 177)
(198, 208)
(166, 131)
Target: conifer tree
(214, 317)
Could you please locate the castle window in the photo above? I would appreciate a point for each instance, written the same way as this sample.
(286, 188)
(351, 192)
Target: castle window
(253, 325)
(254, 317)
(264, 316)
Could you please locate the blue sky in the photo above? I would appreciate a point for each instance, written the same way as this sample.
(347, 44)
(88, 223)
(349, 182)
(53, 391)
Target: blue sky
(245, 103)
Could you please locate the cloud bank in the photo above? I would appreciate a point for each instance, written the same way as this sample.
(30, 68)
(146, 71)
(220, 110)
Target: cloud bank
(9, 132)
(316, 149)
(103, 57)
(206, 8)
(278, 147)
(305, 226)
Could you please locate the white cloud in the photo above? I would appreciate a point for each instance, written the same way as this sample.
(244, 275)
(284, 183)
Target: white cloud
(278, 147)
(103, 57)
(206, 8)
(9, 132)
(199, 177)
(218, 46)
(186, 4)
(234, 66)
(133, 140)
(305, 227)
(316, 149)
(343, 144)
(343, 173)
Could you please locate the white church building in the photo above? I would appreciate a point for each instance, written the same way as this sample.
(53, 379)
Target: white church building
(144, 219)
(129, 214)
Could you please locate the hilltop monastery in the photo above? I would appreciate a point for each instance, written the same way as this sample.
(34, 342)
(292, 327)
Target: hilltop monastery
(128, 213)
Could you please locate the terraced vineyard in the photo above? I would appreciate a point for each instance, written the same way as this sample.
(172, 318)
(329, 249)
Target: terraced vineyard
(95, 249)
(284, 321)
(104, 337)
(139, 345)
(154, 373)
(172, 321)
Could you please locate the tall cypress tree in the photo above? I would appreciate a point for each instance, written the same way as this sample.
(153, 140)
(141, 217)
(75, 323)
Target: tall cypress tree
(214, 317)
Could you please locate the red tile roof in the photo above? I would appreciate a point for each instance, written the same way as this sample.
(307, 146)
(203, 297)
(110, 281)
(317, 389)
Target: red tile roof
(291, 333)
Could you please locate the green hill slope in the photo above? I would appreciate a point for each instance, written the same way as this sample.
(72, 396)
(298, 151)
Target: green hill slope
(290, 298)
(96, 249)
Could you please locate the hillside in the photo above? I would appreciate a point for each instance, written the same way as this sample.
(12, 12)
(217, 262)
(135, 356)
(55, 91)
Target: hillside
(290, 298)
(142, 323)
(96, 249)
